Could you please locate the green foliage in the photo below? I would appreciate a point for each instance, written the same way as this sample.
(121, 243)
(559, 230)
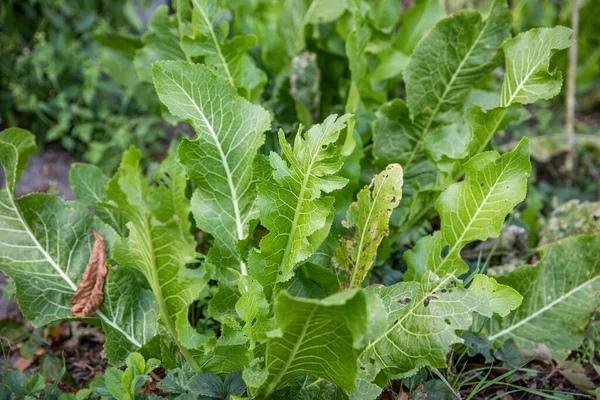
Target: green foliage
(226, 252)
(53, 80)
(125, 385)
(184, 381)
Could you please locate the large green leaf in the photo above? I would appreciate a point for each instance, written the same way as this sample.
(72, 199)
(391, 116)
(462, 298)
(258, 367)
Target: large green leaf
(317, 338)
(159, 244)
(220, 159)
(471, 210)
(526, 79)
(45, 245)
(290, 202)
(368, 218)
(560, 293)
(437, 88)
(534, 50)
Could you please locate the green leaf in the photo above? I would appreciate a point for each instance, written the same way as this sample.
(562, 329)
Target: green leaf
(422, 322)
(220, 159)
(88, 184)
(560, 293)
(290, 202)
(369, 218)
(471, 210)
(45, 252)
(159, 244)
(528, 77)
(206, 384)
(227, 58)
(436, 89)
(416, 22)
(24, 142)
(317, 338)
(296, 14)
(161, 42)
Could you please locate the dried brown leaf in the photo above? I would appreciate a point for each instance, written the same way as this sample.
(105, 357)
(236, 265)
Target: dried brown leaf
(89, 294)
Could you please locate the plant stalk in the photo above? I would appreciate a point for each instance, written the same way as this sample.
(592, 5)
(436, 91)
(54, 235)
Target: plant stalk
(571, 82)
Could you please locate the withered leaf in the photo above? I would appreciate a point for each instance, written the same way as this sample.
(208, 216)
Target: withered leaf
(89, 294)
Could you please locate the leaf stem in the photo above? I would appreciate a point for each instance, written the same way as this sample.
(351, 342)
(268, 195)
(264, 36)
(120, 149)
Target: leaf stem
(171, 327)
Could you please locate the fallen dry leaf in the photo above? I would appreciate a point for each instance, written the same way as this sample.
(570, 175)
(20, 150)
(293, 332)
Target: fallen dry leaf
(89, 295)
(21, 364)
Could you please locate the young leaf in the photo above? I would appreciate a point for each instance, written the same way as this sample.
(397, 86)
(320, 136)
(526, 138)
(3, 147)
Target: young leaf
(89, 295)
(369, 218)
(227, 58)
(471, 210)
(220, 159)
(45, 246)
(290, 202)
(528, 55)
(560, 293)
(159, 243)
(316, 338)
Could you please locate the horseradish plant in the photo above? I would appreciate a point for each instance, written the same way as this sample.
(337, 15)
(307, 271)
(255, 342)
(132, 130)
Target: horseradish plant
(288, 304)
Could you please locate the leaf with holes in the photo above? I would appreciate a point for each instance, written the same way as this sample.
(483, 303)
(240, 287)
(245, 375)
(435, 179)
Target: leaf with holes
(369, 219)
(422, 321)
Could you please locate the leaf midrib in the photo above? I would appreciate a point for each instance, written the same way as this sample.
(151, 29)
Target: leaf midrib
(232, 189)
(457, 245)
(216, 43)
(293, 353)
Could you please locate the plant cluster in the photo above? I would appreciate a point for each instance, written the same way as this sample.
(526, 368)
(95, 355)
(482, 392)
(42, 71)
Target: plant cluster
(241, 223)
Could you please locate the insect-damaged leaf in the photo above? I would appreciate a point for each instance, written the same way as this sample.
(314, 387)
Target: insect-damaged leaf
(89, 295)
(369, 216)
